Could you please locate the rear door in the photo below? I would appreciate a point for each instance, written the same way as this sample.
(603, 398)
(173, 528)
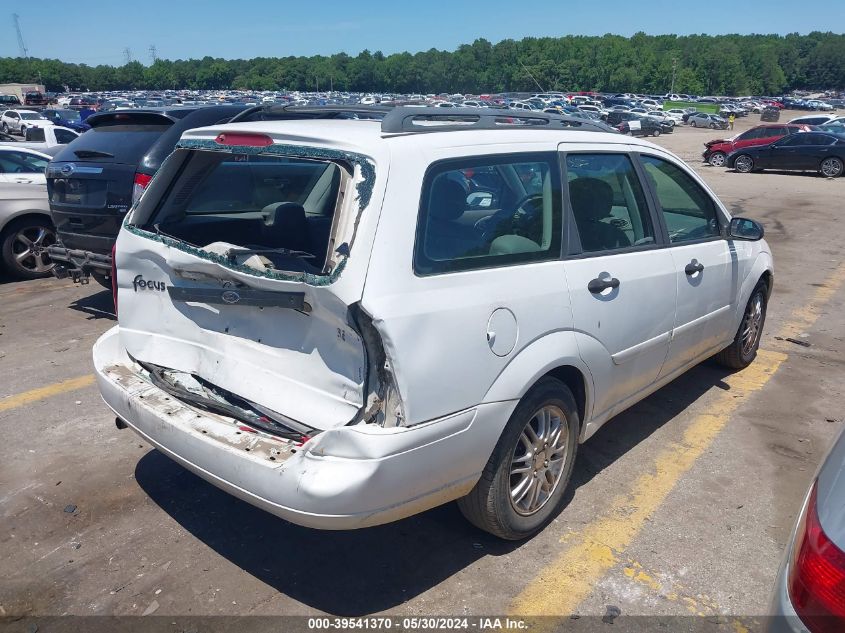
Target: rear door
(706, 270)
(621, 278)
(271, 325)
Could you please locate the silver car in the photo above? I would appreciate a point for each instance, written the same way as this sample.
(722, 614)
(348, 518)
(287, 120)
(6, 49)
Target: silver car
(702, 119)
(26, 230)
(809, 594)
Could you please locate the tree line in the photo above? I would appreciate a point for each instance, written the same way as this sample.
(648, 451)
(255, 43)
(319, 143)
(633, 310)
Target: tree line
(701, 64)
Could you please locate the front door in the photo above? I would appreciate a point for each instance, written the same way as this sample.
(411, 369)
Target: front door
(621, 280)
(706, 269)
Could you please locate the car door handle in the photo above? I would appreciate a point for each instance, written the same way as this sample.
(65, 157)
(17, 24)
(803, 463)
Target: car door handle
(600, 285)
(693, 267)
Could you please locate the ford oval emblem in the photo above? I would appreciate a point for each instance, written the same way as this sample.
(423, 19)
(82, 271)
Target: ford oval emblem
(230, 296)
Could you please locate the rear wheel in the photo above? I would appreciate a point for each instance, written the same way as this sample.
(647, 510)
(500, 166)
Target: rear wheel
(524, 483)
(692, 123)
(24, 247)
(831, 167)
(656, 132)
(744, 164)
(743, 350)
(717, 159)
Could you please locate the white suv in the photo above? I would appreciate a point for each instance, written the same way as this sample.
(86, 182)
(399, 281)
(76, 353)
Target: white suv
(346, 322)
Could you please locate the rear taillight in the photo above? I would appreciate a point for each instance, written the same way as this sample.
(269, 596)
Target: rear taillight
(114, 277)
(139, 186)
(817, 575)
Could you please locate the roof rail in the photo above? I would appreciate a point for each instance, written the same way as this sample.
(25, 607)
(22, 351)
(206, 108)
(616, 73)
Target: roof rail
(403, 119)
(278, 112)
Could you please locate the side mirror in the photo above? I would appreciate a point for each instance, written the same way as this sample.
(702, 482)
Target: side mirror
(745, 229)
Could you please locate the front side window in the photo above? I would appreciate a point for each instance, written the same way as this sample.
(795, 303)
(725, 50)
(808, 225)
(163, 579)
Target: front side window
(688, 211)
(485, 212)
(608, 203)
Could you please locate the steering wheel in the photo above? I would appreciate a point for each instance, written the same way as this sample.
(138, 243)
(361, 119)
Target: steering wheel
(525, 211)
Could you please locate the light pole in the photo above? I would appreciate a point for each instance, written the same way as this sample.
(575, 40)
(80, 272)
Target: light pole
(674, 68)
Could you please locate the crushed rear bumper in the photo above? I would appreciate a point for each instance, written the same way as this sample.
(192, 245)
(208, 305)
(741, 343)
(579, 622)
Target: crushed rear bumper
(343, 478)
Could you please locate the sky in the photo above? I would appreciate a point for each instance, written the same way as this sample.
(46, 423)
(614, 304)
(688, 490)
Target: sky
(179, 29)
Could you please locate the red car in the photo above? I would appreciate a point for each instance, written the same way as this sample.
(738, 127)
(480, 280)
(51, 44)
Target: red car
(761, 135)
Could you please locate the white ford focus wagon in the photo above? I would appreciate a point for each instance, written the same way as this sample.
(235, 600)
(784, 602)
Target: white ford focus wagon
(346, 322)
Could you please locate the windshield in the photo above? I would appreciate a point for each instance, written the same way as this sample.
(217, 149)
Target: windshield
(69, 115)
(280, 208)
(32, 116)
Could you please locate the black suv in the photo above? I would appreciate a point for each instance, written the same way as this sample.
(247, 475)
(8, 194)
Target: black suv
(95, 179)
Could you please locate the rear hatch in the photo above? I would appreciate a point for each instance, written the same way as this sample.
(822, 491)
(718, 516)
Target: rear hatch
(90, 181)
(230, 277)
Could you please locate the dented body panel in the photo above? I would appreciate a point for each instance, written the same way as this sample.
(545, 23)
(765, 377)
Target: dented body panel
(344, 478)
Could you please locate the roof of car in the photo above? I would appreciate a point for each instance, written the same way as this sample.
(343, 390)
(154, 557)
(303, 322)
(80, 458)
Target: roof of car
(365, 136)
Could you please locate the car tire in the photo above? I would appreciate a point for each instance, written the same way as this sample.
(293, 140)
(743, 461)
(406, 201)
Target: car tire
(831, 167)
(656, 133)
(28, 234)
(744, 164)
(547, 411)
(692, 123)
(5, 128)
(743, 349)
(717, 159)
(712, 126)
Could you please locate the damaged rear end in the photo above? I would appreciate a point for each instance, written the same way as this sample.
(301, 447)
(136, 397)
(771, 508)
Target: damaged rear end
(242, 351)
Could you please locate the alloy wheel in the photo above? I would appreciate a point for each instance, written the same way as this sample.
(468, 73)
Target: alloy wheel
(538, 460)
(831, 167)
(744, 164)
(29, 248)
(717, 159)
(752, 324)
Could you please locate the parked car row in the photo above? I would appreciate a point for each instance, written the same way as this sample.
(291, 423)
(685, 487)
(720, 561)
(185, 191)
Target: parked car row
(789, 147)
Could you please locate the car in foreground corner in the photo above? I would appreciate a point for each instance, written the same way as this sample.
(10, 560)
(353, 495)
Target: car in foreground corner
(809, 593)
(807, 151)
(716, 151)
(285, 339)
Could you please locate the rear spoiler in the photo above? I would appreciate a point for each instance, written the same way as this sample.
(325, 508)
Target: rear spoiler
(129, 117)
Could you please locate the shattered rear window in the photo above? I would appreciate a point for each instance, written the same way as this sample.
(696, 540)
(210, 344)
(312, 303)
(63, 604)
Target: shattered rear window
(262, 211)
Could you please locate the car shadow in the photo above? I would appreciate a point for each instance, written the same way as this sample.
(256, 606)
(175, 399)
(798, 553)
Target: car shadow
(99, 305)
(360, 572)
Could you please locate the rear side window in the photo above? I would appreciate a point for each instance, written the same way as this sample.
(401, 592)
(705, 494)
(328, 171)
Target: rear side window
(21, 163)
(688, 211)
(608, 203)
(486, 212)
(64, 136)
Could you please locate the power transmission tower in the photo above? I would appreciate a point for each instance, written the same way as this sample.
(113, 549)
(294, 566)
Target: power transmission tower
(153, 54)
(127, 55)
(17, 20)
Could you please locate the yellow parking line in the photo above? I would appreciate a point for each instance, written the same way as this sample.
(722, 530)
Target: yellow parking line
(593, 550)
(34, 395)
(805, 316)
